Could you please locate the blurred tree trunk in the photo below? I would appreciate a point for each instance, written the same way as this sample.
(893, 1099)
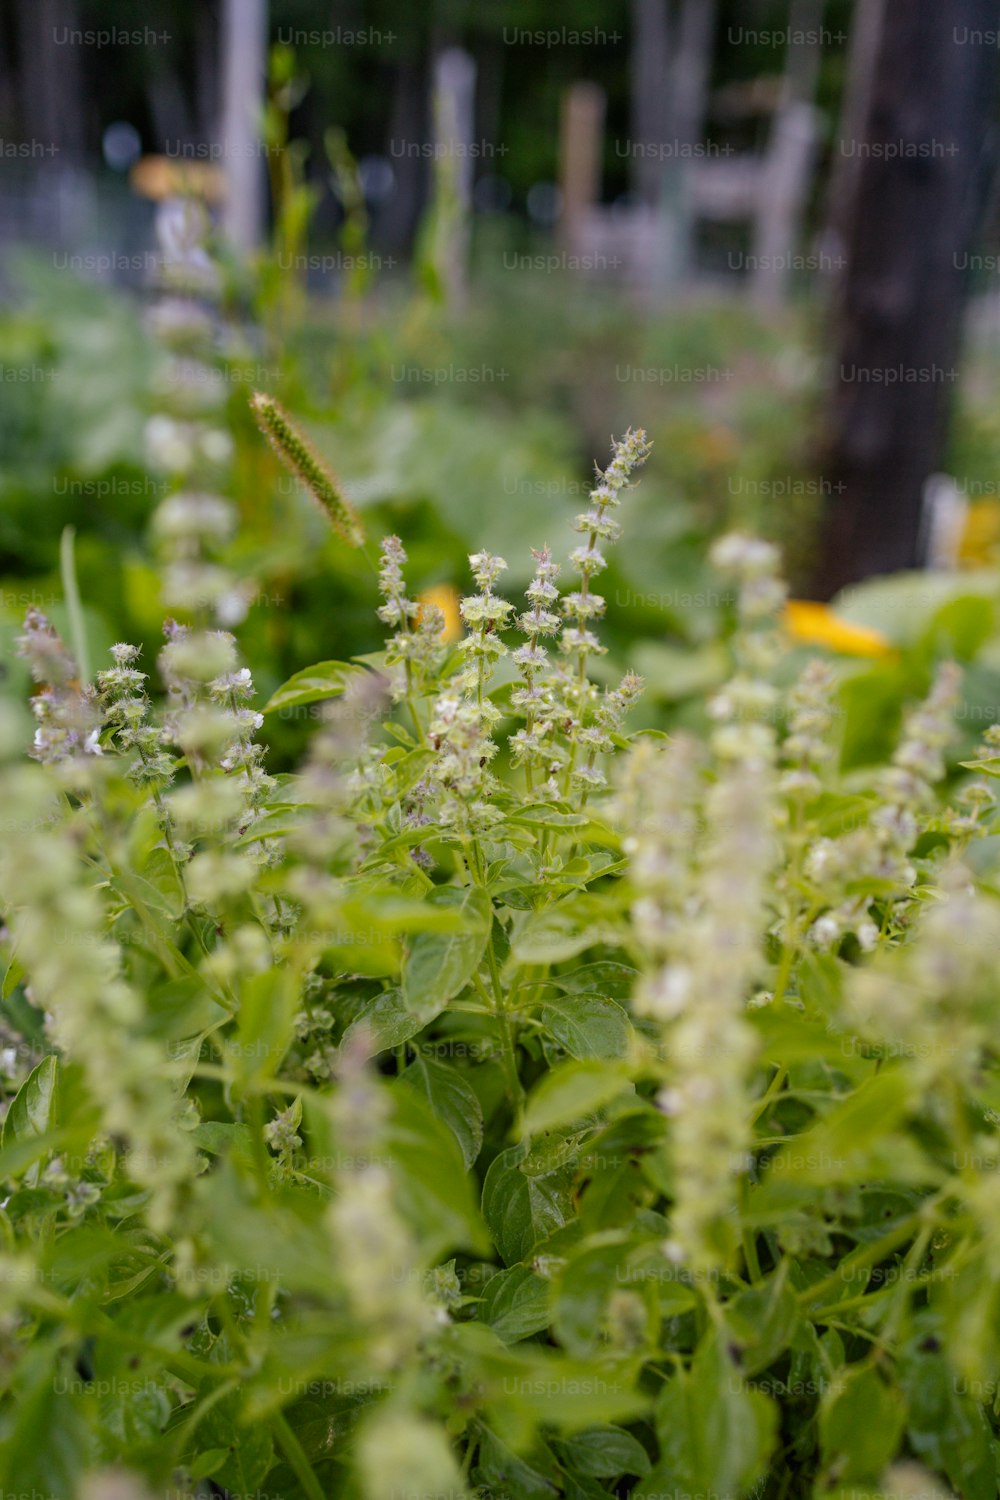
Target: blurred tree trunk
(51, 81)
(862, 50)
(408, 121)
(206, 74)
(910, 205)
(650, 93)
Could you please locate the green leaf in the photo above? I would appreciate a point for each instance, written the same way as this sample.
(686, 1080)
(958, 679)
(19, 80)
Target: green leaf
(265, 1029)
(605, 977)
(388, 1021)
(523, 1211)
(327, 679)
(960, 627)
(45, 1441)
(861, 1422)
(502, 1472)
(587, 1025)
(853, 1143)
(583, 1289)
(763, 1321)
(13, 975)
(646, 1264)
(715, 1433)
(560, 932)
(250, 1448)
(572, 1091)
(515, 1304)
(440, 964)
(604, 1453)
(528, 1386)
(945, 1428)
(903, 605)
(207, 1463)
(545, 815)
(452, 1101)
(220, 1137)
(33, 1111)
(969, 1306)
(990, 766)
(277, 824)
(432, 1188)
(161, 873)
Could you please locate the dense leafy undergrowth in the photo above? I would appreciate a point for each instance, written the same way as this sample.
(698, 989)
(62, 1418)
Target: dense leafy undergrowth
(499, 1105)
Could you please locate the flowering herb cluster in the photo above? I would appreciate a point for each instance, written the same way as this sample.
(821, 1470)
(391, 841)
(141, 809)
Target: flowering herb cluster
(503, 1104)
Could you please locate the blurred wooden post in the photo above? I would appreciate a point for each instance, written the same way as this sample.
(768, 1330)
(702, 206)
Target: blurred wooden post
(780, 205)
(686, 83)
(454, 123)
(790, 155)
(244, 69)
(581, 138)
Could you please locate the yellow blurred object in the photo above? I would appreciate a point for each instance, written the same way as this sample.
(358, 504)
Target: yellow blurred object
(980, 543)
(812, 624)
(445, 598)
(160, 177)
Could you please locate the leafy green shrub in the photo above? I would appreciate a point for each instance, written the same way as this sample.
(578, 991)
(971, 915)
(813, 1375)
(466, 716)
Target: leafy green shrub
(443, 1120)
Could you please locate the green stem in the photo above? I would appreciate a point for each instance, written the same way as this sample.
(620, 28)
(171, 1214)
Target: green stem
(74, 609)
(297, 1460)
(869, 1256)
(748, 1238)
(506, 1032)
(499, 1007)
(770, 1094)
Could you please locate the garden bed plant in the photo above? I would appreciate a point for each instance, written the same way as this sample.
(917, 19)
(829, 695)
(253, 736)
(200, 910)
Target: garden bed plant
(500, 1105)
